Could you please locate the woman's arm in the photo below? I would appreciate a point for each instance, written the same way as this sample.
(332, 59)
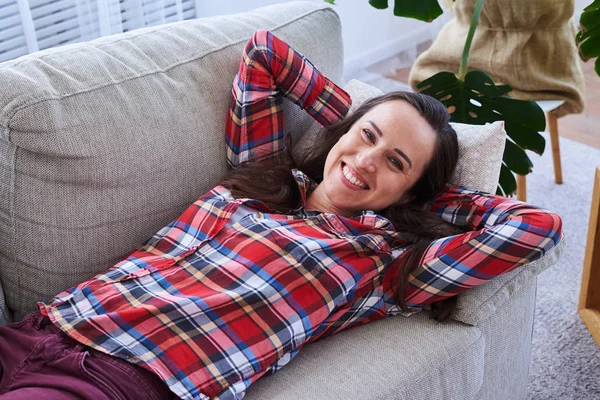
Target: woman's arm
(269, 71)
(506, 234)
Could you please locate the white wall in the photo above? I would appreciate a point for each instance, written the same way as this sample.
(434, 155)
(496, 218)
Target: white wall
(372, 35)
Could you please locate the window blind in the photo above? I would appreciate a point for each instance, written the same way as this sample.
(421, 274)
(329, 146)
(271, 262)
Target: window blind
(57, 22)
(12, 38)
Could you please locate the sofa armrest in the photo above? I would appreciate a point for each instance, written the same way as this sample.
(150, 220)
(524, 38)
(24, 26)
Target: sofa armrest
(478, 304)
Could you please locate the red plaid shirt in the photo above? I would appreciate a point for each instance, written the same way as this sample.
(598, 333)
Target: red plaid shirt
(211, 304)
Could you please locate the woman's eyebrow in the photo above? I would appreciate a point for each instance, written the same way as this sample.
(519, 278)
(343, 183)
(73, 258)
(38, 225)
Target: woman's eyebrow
(400, 153)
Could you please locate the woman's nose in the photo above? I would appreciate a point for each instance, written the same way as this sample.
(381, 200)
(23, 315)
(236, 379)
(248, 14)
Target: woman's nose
(365, 160)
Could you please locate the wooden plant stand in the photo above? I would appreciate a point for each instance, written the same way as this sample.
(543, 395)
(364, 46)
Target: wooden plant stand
(589, 296)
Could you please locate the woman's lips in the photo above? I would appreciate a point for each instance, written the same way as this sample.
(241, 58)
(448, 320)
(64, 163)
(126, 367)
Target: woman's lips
(346, 182)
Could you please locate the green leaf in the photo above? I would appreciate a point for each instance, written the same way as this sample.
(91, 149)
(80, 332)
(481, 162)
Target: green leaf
(330, 1)
(590, 47)
(590, 19)
(526, 138)
(516, 159)
(524, 112)
(478, 100)
(595, 4)
(507, 182)
(588, 39)
(423, 10)
(379, 4)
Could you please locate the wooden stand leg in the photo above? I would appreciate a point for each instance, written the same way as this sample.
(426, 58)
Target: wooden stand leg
(589, 296)
(553, 125)
(521, 188)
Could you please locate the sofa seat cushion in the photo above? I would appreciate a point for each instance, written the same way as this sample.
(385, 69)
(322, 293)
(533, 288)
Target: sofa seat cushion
(394, 358)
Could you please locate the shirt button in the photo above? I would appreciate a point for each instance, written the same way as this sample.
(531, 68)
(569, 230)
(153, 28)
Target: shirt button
(454, 201)
(259, 215)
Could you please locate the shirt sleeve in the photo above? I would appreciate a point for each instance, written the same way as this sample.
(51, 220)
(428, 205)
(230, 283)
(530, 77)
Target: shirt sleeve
(505, 234)
(269, 71)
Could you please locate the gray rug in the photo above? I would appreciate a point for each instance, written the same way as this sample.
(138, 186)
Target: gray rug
(565, 360)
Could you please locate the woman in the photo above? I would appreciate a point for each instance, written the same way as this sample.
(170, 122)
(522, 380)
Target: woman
(284, 252)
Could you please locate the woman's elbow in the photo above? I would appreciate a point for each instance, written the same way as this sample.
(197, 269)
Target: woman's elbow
(548, 225)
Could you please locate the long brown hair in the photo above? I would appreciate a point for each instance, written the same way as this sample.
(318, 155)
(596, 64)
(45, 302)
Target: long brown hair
(272, 182)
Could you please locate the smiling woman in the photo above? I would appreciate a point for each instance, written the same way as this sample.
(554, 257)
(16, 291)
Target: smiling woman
(281, 253)
(380, 168)
(392, 156)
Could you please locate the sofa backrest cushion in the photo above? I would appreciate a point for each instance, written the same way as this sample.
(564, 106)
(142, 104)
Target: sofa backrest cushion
(103, 143)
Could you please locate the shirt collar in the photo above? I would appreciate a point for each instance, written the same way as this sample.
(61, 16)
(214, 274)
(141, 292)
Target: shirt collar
(306, 185)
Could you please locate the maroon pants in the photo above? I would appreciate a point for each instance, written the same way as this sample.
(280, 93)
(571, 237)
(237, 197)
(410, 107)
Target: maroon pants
(38, 361)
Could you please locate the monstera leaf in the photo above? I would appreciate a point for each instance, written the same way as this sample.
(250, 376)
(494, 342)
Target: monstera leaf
(588, 38)
(423, 10)
(477, 100)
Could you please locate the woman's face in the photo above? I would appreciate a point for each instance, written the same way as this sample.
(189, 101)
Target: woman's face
(375, 164)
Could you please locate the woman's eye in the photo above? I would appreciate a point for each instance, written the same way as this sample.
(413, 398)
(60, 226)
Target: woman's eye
(369, 135)
(397, 163)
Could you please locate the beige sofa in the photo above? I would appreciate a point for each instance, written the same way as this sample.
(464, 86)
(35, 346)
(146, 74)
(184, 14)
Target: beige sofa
(103, 143)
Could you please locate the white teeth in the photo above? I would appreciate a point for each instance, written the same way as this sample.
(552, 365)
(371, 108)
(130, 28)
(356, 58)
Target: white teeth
(351, 177)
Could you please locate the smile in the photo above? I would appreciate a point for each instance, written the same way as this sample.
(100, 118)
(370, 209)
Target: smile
(351, 180)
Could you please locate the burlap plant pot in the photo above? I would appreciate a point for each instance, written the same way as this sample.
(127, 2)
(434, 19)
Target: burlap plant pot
(527, 44)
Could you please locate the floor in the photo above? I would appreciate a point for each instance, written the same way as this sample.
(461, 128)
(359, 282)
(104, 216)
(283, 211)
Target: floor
(584, 127)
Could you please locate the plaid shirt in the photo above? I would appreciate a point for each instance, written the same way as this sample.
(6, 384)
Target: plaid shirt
(211, 305)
